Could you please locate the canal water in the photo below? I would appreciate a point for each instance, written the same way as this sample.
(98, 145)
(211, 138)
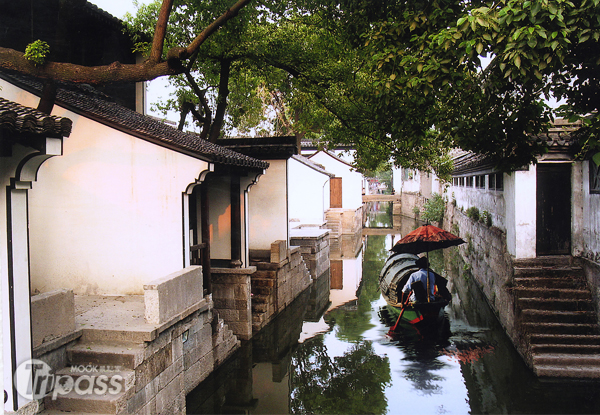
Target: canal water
(330, 353)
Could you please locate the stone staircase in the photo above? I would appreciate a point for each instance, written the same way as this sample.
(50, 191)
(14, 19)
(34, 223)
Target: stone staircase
(103, 377)
(557, 316)
(262, 288)
(334, 224)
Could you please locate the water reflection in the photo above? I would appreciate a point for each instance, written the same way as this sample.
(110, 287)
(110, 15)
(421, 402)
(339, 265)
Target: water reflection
(329, 352)
(353, 383)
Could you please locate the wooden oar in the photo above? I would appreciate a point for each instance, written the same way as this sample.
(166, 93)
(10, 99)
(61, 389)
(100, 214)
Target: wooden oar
(393, 328)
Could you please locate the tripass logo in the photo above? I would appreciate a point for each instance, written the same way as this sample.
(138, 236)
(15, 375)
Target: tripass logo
(34, 380)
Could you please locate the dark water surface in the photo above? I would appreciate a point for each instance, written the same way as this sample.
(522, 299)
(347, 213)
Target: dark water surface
(329, 352)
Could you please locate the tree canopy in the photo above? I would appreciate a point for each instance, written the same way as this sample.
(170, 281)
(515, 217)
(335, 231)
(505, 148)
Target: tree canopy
(398, 79)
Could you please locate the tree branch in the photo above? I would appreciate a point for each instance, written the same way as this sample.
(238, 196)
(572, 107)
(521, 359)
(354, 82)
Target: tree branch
(95, 75)
(160, 31)
(214, 26)
(118, 72)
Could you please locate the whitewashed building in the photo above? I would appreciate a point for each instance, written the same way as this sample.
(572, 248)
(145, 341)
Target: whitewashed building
(122, 209)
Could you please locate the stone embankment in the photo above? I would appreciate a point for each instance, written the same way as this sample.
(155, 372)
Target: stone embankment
(545, 304)
(557, 318)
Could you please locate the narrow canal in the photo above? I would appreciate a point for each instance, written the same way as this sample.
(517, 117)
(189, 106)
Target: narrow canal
(329, 352)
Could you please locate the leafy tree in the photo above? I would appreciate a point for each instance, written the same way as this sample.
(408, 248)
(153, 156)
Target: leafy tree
(400, 79)
(159, 62)
(352, 383)
(429, 54)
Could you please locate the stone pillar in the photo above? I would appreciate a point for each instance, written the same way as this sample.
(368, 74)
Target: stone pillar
(232, 299)
(520, 197)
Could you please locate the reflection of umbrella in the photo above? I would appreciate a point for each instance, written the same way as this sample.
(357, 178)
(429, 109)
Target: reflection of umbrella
(424, 239)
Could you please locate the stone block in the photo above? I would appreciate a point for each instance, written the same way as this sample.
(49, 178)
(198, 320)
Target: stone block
(52, 315)
(148, 409)
(278, 251)
(198, 372)
(150, 368)
(167, 396)
(166, 297)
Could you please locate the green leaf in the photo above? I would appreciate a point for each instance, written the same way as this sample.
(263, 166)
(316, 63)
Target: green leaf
(596, 159)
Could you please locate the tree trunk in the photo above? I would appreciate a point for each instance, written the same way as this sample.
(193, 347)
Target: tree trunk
(221, 101)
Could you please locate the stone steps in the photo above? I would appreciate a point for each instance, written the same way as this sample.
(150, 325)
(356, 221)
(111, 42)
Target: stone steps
(562, 304)
(557, 316)
(74, 402)
(551, 282)
(565, 348)
(558, 328)
(567, 365)
(100, 378)
(123, 355)
(553, 293)
(593, 339)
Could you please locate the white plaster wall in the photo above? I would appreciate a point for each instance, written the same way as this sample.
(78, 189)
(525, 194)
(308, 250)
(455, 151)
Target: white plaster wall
(308, 194)
(351, 277)
(591, 218)
(219, 213)
(492, 201)
(520, 198)
(397, 179)
(107, 216)
(267, 202)
(351, 180)
(412, 184)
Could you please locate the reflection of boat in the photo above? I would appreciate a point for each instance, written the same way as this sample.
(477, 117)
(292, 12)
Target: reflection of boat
(393, 277)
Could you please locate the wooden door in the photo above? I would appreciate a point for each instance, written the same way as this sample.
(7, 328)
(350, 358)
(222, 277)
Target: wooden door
(337, 274)
(553, 209)
(335, 192)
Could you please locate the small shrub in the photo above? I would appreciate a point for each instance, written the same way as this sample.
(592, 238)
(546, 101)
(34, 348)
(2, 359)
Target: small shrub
(434, 208)
(36, 52)
(473, 213)
(455, 229)
(486, 218)
(416, 211)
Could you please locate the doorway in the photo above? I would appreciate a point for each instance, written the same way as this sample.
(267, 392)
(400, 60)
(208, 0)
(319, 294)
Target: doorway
(335, 193)
(553, 209)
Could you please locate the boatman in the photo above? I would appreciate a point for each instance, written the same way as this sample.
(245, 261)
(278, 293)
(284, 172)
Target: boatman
(420, 276)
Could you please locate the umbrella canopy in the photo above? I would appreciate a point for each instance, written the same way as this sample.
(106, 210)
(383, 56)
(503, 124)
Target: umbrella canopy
(424, 239)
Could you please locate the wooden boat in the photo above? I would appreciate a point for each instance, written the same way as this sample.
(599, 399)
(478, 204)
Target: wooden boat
(393, 277)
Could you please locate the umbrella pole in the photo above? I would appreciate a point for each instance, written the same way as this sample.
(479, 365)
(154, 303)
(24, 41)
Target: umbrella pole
(427, 275)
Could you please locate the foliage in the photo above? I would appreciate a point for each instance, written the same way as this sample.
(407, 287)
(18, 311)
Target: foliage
(400, 80)
(416, 211)
(486, 218)
(428, 54)
(434, 208)
(296, 68)
(473, 213)
(36, 52)
(351, 383)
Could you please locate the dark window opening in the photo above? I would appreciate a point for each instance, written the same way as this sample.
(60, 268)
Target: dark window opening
(594, 178)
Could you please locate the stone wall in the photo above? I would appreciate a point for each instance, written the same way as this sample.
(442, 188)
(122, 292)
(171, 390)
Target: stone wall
(487, 261)
(277, 283)
(232, 297)
(155, 375)
(314, 248)
(177, 361)
(409, 201)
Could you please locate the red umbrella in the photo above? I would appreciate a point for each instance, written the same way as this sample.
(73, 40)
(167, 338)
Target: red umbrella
(424, 239)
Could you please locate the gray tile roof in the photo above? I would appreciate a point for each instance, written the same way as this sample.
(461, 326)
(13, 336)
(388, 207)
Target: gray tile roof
(315, 166)
(264, 148)
(23, 120)
(558, 139)
(87, 101)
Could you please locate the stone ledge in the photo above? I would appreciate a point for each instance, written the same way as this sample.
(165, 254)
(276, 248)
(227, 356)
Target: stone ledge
(239, 271)
(168, 296)
(56, 343)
